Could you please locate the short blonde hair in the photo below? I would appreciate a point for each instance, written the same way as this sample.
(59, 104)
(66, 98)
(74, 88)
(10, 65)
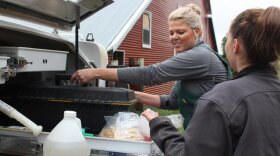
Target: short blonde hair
(189, 14)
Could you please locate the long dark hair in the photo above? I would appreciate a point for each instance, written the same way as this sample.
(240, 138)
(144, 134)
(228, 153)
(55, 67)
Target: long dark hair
(259, 30)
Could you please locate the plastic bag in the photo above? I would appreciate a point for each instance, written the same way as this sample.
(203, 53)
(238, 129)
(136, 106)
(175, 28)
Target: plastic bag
(144, 126)
(124, 126)
(177, 120)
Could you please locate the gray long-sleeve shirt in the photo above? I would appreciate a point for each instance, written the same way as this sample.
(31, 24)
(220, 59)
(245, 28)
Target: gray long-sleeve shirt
(240, 117)
(198, 68)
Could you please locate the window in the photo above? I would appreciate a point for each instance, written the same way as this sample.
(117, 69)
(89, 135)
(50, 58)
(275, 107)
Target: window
(146, 36)
(118, 58)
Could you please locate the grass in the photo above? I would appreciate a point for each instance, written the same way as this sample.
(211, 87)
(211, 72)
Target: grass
(162, 112)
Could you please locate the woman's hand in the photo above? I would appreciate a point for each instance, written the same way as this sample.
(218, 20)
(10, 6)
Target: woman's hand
(149, 114)
(83, 76)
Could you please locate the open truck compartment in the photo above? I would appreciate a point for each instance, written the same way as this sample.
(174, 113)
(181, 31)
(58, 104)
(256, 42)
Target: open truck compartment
(33, 67)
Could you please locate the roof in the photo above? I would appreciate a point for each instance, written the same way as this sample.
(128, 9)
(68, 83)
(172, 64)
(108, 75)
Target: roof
(110, 25)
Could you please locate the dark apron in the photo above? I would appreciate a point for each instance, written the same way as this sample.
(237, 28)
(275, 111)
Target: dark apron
(186, 99)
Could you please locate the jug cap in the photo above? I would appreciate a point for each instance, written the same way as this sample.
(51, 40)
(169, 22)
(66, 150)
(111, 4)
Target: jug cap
(70, 114)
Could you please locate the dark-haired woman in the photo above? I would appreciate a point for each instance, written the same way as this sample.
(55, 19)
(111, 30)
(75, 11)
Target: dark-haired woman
(240, 117)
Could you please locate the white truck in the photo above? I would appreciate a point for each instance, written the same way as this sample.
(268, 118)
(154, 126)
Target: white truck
(34, 76)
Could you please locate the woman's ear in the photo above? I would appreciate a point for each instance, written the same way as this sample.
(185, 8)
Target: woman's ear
(197, 31)
(236, 46)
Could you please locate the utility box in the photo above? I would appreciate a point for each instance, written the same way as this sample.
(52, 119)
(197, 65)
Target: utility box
(35, 60)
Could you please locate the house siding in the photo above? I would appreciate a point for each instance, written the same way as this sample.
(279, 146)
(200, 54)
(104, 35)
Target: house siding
(161, 48)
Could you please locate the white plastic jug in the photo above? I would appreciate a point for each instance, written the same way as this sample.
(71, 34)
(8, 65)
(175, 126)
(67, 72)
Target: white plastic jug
(66, 138)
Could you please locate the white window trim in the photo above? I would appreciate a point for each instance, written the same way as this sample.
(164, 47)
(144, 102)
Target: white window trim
(143, 44)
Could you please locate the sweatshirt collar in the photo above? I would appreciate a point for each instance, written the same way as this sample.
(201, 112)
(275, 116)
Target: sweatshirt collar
(254, 68)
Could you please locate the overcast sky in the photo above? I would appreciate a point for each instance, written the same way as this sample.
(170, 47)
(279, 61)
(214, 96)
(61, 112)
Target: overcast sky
(224, 11)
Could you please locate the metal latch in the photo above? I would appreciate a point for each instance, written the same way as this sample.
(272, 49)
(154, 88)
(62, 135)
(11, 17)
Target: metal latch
(17, 62)
(7, 72)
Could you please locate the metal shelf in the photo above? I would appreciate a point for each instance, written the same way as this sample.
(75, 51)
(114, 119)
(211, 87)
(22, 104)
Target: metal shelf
(95, 143)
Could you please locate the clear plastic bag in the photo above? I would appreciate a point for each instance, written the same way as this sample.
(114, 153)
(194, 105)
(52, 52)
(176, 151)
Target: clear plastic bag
(123, 125)
(177, 120)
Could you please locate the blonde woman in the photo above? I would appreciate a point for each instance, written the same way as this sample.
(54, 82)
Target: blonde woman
(196, 68)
